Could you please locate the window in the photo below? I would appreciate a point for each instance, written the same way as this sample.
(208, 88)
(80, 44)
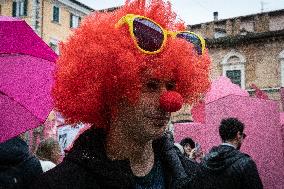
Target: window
(53, 44)
(234, 68)
(55, 15)
(235, 76)
(220, 32)
(20, 8)
(74, 21)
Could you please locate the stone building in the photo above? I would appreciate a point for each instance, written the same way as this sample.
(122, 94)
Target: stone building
(247, 49)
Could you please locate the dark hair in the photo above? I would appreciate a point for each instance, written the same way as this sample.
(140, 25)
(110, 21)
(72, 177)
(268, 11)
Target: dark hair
(229, 128)
(186, 141)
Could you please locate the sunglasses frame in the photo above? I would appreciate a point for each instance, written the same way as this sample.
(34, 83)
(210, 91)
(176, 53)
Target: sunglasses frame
(129, 19)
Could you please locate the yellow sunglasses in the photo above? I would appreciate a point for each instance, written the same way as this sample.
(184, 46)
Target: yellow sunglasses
(150, 37)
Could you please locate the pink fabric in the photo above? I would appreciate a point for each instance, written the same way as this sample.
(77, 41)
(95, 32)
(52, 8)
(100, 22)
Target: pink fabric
(17, 37)
(263, 143)
(26, 66)
(205, 135)
(282, 128)
(259, 93)
(222, 87)
(26, 80)
(14, 118)
(198, 112)
(282, 118)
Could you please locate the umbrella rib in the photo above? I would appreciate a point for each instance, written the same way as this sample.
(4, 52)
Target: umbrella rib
(2, 93)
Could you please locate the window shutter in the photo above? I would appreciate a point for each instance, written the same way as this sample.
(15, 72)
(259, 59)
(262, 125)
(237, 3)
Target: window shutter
(71, 20)
(25, 7)
(14, 14)
(54, 12)
(79, 21)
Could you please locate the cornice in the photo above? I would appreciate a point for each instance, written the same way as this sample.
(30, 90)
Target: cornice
(232, 41)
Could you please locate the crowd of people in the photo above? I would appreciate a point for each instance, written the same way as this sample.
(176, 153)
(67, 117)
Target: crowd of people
(125, 72)
(223, 167)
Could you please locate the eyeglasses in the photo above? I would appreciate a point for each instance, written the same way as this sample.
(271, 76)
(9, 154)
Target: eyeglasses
(150, 37)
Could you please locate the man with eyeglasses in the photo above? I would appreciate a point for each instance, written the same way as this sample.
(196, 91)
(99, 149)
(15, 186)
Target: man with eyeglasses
(225, 167)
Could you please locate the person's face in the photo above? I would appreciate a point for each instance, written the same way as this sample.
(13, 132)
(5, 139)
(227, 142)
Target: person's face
(241, 137)
(146, 120)
(187, 149)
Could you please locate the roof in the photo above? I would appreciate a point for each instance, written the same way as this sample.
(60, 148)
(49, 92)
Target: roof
(109, 9)
(246, 17)
(82, 5)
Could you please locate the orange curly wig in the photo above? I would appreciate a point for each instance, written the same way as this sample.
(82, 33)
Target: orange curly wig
(99, 65)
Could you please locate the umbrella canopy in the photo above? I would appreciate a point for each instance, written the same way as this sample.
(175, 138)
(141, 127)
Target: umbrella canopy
(19, 38)
(26, 70)
(221, 87)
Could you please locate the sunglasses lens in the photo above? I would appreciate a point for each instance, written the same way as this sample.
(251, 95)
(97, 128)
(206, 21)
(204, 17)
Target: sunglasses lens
(191, 38)
(149, 35)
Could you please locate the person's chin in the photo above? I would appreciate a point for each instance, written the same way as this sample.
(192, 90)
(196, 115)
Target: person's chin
(156, 132)
(157, 126)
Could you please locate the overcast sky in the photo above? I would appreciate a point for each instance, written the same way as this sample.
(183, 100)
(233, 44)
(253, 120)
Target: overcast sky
(199, 11)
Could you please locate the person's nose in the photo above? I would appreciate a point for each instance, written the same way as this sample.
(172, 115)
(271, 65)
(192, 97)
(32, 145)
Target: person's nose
(170, 101)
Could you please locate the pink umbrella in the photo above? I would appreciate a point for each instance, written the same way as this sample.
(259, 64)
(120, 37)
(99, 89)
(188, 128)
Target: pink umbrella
(26, 68)
(222, 87)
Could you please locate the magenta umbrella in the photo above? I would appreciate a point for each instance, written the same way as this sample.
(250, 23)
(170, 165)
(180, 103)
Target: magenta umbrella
(26, 76)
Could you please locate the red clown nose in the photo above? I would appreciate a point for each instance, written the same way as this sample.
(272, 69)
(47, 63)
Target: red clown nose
(171, 101)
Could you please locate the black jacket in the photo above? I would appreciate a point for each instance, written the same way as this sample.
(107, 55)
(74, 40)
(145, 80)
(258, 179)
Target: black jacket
(17, 166)
(227, 168)
(87, 167)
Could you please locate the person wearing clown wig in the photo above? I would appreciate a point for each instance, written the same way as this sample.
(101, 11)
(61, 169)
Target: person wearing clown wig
(125, 72)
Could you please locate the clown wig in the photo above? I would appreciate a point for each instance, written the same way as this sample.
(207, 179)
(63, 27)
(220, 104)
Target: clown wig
(100, 65)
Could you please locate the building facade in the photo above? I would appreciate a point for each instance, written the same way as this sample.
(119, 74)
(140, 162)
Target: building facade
(52, 20)
(247, 49)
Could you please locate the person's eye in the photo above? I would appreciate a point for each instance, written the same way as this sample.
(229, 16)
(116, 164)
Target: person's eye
(170, 86)
(152, 85)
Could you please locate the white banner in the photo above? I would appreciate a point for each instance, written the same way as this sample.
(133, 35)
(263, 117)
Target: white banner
(66, 135)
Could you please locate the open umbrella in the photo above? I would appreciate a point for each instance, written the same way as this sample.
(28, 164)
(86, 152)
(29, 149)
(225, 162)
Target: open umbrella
(26, 76)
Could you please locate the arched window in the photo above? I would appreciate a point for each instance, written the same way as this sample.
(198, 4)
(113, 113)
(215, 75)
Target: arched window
(234, 68)
(281, 58)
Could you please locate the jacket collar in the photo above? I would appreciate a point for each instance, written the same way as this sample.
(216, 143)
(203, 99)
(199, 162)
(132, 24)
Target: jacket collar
(89, 152)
